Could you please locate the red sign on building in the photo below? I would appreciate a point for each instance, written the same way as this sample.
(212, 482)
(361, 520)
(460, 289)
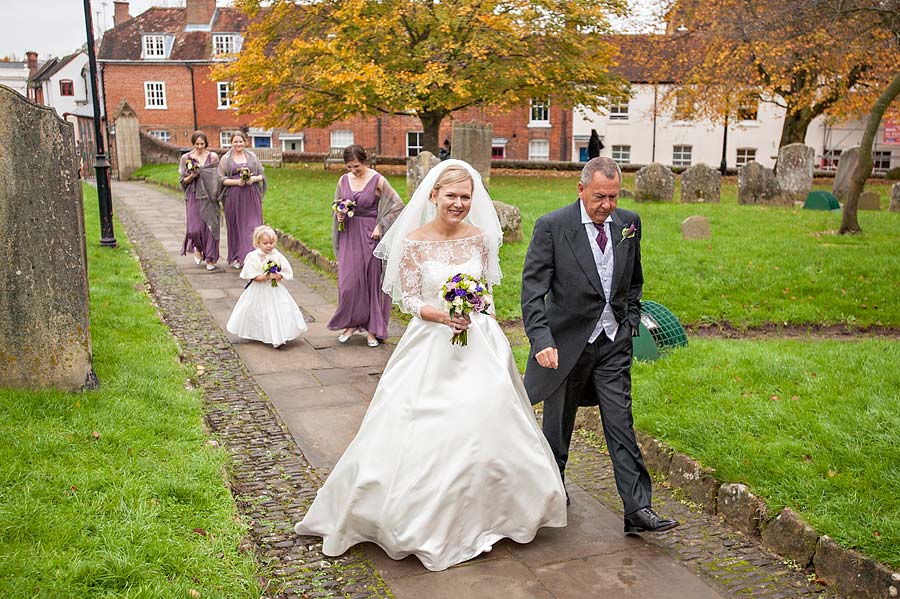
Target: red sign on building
(892, 130)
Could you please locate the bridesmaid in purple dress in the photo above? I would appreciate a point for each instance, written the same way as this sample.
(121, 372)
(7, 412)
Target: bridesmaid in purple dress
(201, 191)
(362, 305)
(243, 197)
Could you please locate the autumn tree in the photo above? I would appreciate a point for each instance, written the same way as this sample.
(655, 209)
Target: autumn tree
(309, 64)
(793, 54)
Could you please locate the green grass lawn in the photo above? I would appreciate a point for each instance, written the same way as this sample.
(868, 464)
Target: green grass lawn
(141, 508)
(808, 424)
(762, 265)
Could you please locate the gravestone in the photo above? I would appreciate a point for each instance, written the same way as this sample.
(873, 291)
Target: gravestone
(510, 221)
(795, 172)
(472, 142)
(895, 198)
(128, 141)
(44, 303)
(416, 169)
(695, 227)
(654, 183)
(846, 165)
(757, 185)
(869, 200)
(700, 184)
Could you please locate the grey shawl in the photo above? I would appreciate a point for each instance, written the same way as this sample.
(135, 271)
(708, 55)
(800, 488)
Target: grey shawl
(206, 189)
(389, 207)
(226, 165)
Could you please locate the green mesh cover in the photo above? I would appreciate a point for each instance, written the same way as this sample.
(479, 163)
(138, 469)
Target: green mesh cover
(665, 329)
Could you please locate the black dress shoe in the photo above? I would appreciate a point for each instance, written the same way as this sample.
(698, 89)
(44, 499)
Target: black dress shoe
(646, 520)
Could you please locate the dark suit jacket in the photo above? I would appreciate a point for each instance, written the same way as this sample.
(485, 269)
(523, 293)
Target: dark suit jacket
(562, 297)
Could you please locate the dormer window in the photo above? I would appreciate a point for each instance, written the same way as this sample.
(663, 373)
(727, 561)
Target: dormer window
(224, 43)
(156, 45)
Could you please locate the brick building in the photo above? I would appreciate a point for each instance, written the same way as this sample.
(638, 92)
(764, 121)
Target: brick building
(160, 63)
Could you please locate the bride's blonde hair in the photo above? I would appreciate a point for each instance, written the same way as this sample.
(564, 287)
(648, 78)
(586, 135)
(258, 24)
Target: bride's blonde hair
(452, 174)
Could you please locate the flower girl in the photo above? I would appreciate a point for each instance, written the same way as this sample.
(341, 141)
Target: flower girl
(266, 311)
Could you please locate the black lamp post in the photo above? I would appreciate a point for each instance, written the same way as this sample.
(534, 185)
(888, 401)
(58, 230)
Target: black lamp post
(723, 166)
(101, 164)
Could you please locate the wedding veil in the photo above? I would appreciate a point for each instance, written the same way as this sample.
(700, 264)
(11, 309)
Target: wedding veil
(420, 210)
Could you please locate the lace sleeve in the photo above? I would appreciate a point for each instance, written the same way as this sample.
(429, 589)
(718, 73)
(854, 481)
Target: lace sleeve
(410, 280)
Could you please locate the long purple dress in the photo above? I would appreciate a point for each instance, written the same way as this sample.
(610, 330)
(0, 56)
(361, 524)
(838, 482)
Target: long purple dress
(243, 213)
(361, 302)
(198, 235)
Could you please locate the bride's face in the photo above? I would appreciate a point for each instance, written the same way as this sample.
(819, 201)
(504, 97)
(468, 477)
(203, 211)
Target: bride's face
(453, 202)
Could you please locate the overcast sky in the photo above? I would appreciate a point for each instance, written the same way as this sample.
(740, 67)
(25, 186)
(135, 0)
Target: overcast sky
(56, 27)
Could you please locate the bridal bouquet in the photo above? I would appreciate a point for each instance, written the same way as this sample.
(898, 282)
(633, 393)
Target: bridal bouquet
(344, 207)
(464, 294)
(245, 173)
(271, 268)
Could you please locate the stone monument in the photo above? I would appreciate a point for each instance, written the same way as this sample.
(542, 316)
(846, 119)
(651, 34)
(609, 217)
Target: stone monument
(700, 184)
(128, 141)
(794, 172)
(895, 198)
(869, 200)
(846, 165)
(695, 227)
(654, 183)
(44, 302)
(757, 185)
(510, 221)
(416, 169)
(472, 142)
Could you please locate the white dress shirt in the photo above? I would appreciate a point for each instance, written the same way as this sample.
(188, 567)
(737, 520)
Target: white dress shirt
(604, 263)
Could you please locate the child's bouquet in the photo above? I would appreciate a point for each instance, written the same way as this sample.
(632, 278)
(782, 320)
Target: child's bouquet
(245, 174)
(272, 268)
(464, 294)
(191, 166)
(344, 207)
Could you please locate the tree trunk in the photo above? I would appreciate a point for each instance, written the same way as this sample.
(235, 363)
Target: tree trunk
(431, 130)
(795, 125)
(849, 222)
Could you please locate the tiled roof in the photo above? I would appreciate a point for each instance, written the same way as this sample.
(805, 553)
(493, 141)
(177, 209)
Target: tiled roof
(124, 41)
(647, 58)
(52, 66)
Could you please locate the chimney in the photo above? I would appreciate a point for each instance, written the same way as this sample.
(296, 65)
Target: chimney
(121, 15)
(31, 59)
(200, 12)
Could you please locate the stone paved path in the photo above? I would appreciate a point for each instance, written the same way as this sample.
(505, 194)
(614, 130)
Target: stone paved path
(286, 416)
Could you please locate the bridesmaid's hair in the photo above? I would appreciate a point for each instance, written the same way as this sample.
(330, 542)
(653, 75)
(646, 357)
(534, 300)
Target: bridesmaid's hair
(199, 135)
(355, 152)
(452, 174)
(263, 231)
(238, 134)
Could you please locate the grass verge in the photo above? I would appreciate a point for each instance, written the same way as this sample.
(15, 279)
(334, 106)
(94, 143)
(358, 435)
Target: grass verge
(140, 508)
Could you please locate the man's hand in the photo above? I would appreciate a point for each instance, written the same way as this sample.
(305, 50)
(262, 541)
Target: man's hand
(548, 358)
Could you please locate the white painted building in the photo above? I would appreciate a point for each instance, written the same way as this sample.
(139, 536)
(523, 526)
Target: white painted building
(645, 130)
(15, 75)
(61, 83)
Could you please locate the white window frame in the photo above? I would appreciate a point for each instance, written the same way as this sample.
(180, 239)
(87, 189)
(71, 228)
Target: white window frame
(680, 112)
(533, 149)
(154, 45)
(339, 138)
(157, 95)
(224, 44)
(225, 138)
(161, 135)
(682, 155)
(618, 112)
(744, 155)
(748, 107)
(881, 160)
(254, 137)
(299, 140)
(621, 154)
(223, 94)
(539, 113)
(831, 158)
(417, 147)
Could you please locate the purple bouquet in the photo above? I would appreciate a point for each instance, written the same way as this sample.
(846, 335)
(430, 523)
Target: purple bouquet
(191, 166)
(464, 294)
(272, 268)
(344, 207)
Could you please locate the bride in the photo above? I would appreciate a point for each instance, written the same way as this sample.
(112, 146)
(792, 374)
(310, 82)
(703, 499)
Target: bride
(449, 458)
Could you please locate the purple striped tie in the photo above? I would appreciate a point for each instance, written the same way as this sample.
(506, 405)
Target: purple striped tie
(601, 236)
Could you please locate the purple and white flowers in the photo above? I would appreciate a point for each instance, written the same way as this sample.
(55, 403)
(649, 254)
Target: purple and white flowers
(462, 295)
(191, 165)
(272, 268)
(344, 207)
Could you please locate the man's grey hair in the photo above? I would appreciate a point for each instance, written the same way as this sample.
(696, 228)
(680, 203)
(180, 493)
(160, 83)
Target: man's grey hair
(609, 167)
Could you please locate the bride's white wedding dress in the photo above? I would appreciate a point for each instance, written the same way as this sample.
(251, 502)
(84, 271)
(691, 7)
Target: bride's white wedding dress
(449, 458)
